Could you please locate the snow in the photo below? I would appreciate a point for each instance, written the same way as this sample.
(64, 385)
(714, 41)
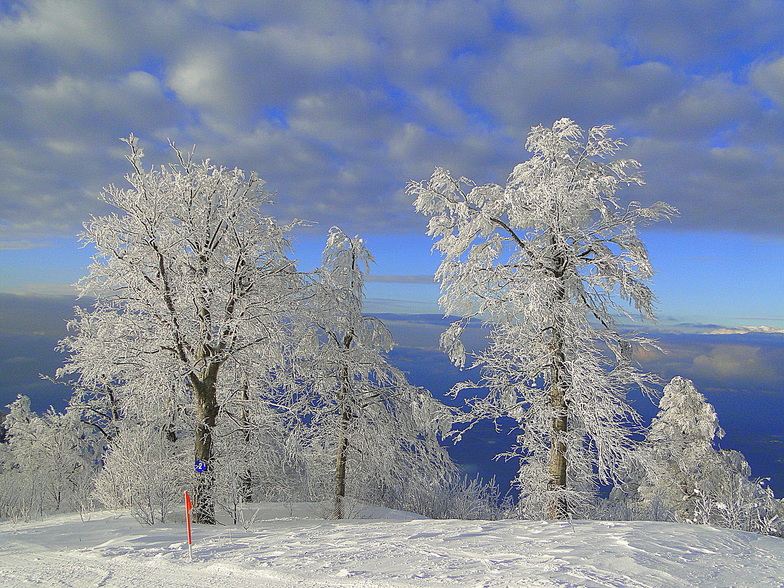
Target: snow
(292, 545)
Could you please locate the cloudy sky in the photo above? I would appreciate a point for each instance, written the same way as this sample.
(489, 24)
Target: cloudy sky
(339, 103)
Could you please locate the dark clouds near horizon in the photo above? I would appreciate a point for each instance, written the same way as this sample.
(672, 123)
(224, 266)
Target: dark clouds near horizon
(337, 104)
(750, 363)
(741, 375)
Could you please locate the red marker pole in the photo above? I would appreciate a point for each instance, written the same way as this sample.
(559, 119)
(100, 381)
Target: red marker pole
(188, 509)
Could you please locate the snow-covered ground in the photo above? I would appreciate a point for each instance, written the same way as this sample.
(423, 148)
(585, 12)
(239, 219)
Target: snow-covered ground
(288, 545)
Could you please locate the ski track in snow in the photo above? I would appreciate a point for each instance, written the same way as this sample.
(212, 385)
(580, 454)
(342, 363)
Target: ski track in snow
(280, 551)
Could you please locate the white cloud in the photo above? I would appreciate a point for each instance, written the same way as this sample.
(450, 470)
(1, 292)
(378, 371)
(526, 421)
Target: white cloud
(405, 141)
(339, 103)
(705, 107)
(424, 39)
(768, 76)
(203, 79)
(401, 279)
(745, 330)
(538, 80)
(692, 33)
(17, 245)
(303, 48)
(66, 26)
(736, 362)
(45, 290)
(441, 108)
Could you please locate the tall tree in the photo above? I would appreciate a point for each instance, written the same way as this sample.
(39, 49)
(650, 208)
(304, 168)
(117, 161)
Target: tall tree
(192, 281)
(548, 260)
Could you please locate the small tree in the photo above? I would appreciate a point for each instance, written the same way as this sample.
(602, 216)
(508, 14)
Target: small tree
(547, 261)
(692, 477)
(192, 283)
(362, 402)
(143, 472)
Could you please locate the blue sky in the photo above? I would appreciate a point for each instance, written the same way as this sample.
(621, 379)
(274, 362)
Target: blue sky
(338, 104)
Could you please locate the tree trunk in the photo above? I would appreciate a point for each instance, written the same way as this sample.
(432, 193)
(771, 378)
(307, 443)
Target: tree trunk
(205, 392)
(558, 507)
(246, 479)
(338, 508)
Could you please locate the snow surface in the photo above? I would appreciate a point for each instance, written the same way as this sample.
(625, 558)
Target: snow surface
(289, 545)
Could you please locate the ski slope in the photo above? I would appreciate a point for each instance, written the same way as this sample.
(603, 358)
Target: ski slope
(288, 545)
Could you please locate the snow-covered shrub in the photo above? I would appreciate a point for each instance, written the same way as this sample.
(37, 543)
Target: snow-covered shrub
(623, 504)
(17, 499)
(48, 462)
(729, 497)
(268, 458)
(144, 471)
(457, 497)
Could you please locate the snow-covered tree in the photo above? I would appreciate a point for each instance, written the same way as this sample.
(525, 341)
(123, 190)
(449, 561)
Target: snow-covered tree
(695, 480)
(143, 471)
(49, 462)
(192, 285)
(548, 261)
(380, 426)
(263, 442)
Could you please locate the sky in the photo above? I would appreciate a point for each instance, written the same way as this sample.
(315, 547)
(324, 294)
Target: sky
(337, 104)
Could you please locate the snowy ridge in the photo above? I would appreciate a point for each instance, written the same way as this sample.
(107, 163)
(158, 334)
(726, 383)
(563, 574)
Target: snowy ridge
(279, 550)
